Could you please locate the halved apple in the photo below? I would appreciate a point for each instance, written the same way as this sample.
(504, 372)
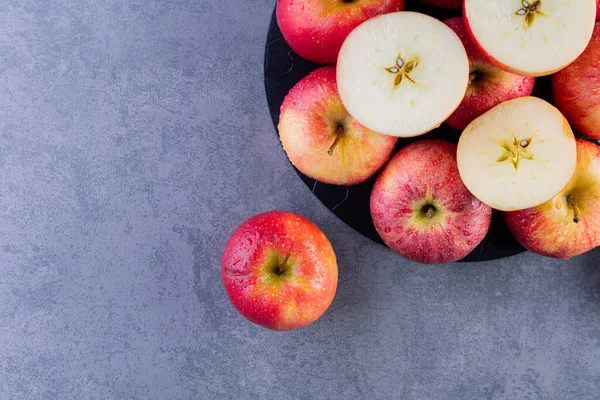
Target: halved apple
(518, 155)
(531, 37)
(402, 74)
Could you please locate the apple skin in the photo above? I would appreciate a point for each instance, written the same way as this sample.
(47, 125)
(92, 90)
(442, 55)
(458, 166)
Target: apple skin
(453, 4)
(421, 174)
(489, 85)
(549, 229)
(305, 289)
(576, 91)
(316, 29)
(598, 11)
(311, 115)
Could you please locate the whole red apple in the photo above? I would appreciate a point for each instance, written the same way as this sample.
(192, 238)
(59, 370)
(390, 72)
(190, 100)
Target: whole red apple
(279, 270)
(421, 208)
(576, 89)
(322, 140)
(569, 224)
(316, 29)
(488, 85)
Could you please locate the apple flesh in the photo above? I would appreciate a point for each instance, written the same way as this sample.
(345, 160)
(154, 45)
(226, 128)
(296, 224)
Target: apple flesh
(576, 89)
(422, 210)
(488, 85)
(316, 29)
(530, 37)
(454, 4)
(322, 140)
(279, 270)
(569, 224)
(402, 74)
(518, 155)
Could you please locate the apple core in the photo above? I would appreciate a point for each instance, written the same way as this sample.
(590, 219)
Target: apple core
(515, 151)
(402, 70)
(530, 11)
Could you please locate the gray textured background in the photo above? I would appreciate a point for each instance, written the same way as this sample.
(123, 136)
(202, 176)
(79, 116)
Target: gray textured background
(134, 138)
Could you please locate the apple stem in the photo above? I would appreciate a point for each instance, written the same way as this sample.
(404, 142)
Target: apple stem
(577, 213)
(340, 132)
(281, 268)
(430, 212)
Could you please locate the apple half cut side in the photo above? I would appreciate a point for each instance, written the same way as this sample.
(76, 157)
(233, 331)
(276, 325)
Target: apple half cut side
(322, 140)
(531, 37)
(402, 74)
(576, 89)
(421, 208)
(569, 224)
(518, 155)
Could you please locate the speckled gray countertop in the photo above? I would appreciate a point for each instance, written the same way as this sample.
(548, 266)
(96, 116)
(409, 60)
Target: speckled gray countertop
(134, 138)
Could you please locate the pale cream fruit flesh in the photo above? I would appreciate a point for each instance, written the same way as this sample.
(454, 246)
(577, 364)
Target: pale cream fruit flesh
(402, 74)
(531, 37)
(518, 155)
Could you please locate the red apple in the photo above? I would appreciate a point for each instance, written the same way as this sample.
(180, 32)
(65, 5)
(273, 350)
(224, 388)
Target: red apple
(455, 4)
(279, 270)
(322, 140)
(530, 37)
(421, 208)
(576, 89)
(569, 224)
(488, 85)
(316, 29)
(598, 11)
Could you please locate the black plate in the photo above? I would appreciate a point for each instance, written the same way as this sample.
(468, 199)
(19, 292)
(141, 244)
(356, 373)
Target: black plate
(284, 68)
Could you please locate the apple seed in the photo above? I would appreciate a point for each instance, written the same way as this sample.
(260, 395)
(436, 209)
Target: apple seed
(402, 69)
(529, 11)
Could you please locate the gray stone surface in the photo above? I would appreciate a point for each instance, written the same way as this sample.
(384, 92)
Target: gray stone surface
(134, 138)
